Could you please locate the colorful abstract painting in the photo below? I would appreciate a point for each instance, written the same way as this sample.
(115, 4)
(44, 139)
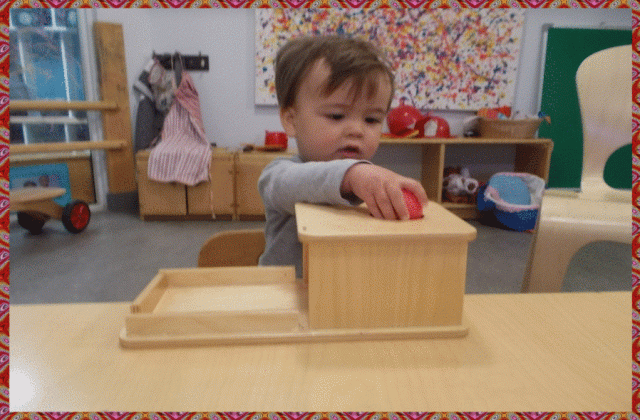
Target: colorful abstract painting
(442, 58)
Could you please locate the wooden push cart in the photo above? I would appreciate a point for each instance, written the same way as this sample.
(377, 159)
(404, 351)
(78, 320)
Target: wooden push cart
(35, 205)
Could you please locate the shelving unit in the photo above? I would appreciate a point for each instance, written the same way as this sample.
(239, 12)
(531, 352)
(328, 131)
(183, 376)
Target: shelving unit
(531, 155)
(236, 176)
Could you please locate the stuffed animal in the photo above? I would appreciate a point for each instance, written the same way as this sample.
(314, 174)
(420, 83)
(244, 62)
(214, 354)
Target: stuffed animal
(460, 186)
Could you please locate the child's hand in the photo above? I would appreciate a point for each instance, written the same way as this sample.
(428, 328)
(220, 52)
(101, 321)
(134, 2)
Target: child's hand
(381, 190)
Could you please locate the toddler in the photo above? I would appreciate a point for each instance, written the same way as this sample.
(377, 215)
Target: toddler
(334, 94)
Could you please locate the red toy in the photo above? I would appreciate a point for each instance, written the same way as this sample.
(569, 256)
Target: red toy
(413, 204)
(404, 120)
(276, 139)
(436, 127)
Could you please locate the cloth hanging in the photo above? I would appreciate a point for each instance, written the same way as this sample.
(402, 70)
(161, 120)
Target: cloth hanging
(163, 86)
(149, 119)
(184, 154)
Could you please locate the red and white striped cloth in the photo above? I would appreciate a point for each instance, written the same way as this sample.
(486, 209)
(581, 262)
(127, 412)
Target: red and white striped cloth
(183, 154)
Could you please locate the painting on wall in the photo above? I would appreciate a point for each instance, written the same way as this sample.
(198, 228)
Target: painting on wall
(443, 59)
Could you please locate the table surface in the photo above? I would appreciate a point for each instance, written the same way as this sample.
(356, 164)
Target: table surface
(524, 352)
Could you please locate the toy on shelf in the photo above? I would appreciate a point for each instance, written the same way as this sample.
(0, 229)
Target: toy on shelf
(501, 113)
(513, 199)
(407, 121)
(277, 140)
(274, 141)
(458, 186)
(501, 122)
(436, 127)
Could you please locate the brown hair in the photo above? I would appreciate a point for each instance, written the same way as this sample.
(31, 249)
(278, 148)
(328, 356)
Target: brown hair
(347, 58)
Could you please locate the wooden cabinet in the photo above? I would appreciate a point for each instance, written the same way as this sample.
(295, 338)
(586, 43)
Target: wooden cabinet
(217, 195)
(531, 155)
(158, 198)
(231, 192)
(249, 166)
(214, 197)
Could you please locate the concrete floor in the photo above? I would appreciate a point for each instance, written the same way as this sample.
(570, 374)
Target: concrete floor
(118, 254)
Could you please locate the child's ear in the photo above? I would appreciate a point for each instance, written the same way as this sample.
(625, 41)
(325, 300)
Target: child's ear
(287, 116)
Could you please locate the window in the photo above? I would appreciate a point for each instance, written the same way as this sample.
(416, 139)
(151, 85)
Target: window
(52, 58)
(46, 63)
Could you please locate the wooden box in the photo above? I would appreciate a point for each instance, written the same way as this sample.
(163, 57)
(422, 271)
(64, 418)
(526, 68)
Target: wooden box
(365, 279)
(369, 273)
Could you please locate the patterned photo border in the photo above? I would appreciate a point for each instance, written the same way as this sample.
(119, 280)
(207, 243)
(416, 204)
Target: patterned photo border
(4, 204)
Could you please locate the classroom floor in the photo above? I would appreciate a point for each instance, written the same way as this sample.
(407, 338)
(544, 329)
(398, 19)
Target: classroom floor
(118, 254)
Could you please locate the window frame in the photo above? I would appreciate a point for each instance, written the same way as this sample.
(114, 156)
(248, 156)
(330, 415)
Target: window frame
(89, 68)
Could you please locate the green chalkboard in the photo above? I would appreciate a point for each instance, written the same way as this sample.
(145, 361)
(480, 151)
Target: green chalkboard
(566, 49)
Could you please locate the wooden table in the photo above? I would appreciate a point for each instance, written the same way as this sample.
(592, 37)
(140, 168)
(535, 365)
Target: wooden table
(524, 352)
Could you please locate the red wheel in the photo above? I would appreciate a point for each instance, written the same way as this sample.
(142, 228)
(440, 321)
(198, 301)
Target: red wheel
(76, 216)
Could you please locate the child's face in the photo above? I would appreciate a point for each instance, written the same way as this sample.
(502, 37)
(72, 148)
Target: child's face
(337, 126)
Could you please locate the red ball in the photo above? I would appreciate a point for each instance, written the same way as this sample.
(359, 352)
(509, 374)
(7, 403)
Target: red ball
(413, 204)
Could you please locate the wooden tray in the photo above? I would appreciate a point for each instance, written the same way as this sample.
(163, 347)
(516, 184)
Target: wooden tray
(238, 305)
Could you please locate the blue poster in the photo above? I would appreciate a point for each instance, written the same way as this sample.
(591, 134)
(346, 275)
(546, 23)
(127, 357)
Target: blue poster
(50, 175)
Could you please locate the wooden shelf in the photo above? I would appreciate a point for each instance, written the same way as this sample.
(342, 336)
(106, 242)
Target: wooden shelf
(463, 210)
(532, 156)
(461, 140)
(66, 147)
(54, 105)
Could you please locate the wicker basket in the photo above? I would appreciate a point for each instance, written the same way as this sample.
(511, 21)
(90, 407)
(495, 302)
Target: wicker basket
(517, 129)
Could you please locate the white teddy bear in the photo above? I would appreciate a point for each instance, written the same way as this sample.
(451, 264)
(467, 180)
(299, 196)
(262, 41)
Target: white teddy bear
(460, 184)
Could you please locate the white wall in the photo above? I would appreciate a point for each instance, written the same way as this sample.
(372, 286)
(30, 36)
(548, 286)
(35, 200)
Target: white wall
(227, 89)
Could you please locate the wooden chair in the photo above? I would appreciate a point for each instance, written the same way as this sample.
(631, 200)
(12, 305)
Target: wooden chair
(569, 220)
(233, 248)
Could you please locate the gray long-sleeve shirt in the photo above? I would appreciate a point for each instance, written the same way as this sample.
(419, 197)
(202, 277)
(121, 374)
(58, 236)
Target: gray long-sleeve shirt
(287, 181)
